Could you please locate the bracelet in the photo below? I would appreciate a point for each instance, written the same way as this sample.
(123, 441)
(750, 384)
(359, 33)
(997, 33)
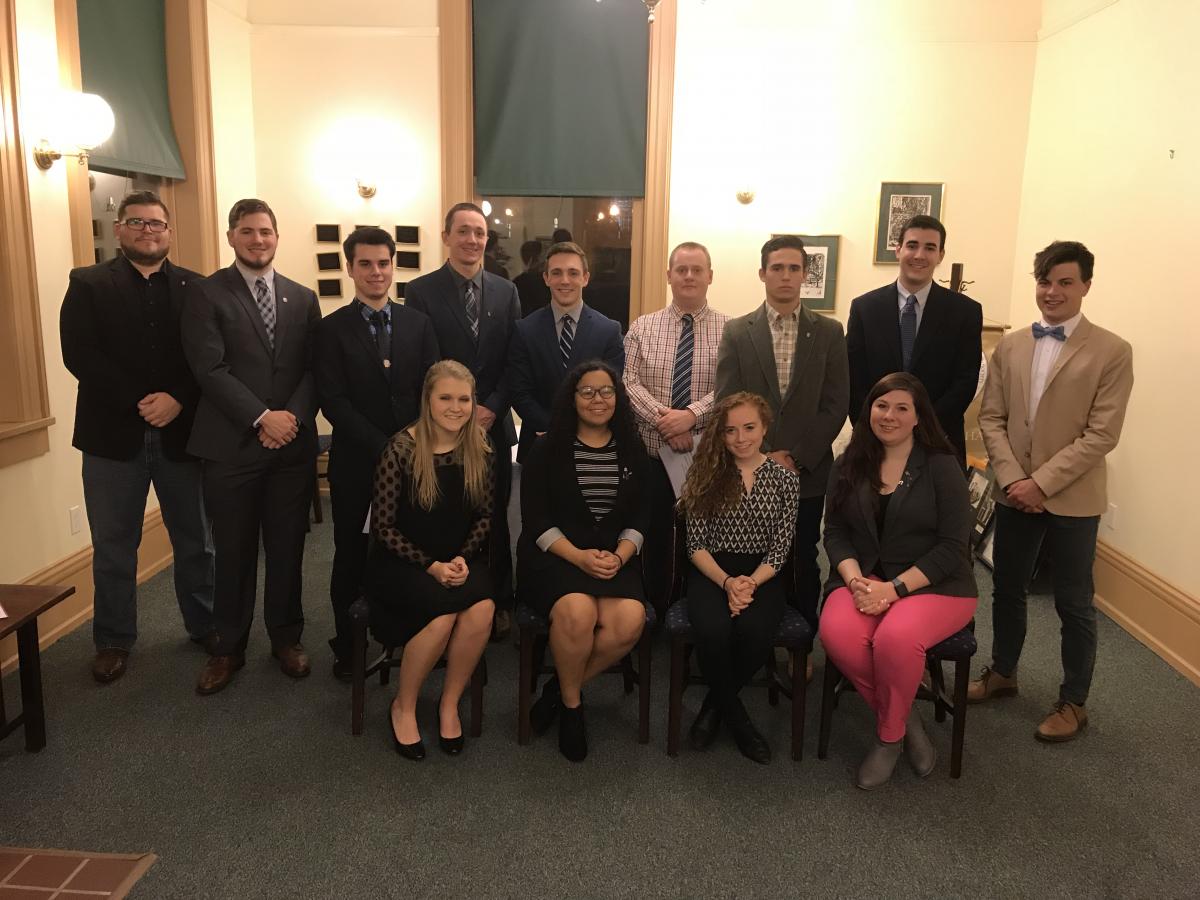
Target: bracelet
(725, 582)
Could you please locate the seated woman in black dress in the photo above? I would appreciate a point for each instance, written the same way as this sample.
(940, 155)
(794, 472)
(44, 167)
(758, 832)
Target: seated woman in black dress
(427, 577)
(741, 514)
(583, 516)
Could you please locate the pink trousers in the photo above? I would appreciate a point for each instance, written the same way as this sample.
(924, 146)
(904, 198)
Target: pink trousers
(884, 655)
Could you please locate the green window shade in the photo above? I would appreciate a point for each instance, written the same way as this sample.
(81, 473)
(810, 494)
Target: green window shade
(122, 57)
(560, 97)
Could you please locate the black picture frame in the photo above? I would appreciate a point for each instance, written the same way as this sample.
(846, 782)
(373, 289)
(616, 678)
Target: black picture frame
(983, 552)
(400, 286)
(408, 259)
(329, 234)
(329, 287)
(408, 234)
(329, 262)
(898, 202)
(981, 487)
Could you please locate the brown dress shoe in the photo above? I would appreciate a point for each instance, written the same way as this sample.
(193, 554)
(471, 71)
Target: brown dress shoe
(1064, 723)
(218, 672)
(293, 661)
(991, 683)
(109, 664)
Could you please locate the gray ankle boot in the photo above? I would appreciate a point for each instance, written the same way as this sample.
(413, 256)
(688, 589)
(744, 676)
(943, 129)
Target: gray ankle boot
(877, 768)
(917, 746)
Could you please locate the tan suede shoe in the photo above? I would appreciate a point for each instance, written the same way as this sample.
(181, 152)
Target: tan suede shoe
(991, 683)
(1064, 723)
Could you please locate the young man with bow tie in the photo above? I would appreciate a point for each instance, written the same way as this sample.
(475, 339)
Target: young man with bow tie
(1052, 410)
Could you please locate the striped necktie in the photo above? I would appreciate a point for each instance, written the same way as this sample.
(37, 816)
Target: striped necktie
(266, 308)
(681, 379)
(472, 304)
(908, 331)
(566, 340)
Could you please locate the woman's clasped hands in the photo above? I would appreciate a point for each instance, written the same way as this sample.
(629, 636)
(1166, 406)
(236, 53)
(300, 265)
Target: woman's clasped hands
(449, 574)
(870, 597)
(739, 591)
(602, 564)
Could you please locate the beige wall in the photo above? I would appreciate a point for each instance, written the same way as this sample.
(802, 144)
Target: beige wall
(36, 494)
(231, 77)
(813, 104)
(1114, 94)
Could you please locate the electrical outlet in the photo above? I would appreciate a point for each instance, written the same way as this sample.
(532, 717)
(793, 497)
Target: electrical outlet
(1110, 517)
(76, 514)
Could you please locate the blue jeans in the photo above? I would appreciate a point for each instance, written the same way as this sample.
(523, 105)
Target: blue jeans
(1071, 542)
(115, 494)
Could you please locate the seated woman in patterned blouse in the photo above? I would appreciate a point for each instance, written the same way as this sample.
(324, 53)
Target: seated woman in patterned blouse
(427, 577)
(741, 513)
(583, 517)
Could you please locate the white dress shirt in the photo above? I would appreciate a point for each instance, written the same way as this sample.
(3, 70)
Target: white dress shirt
(1045, 355)
(922, 296)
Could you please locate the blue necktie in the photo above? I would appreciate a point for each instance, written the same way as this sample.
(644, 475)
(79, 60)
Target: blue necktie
(566, 340)
(908, 330)
(681, 378)
(1057, 332)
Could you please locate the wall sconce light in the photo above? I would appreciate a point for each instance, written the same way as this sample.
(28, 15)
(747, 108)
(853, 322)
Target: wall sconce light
(486, 206)
(84, 121)
(745, 197)
(614, 211)
(366, 189)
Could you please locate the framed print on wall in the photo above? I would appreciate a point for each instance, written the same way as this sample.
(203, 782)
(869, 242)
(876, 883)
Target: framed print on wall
(899, 201)
(820, 287)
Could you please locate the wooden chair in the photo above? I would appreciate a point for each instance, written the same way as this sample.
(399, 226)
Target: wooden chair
(794, 635)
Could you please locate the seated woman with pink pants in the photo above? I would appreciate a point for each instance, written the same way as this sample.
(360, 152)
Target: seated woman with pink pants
(897, 525)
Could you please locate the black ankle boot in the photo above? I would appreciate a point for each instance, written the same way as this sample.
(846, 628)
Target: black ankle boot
(708, 722)
(546, 709)
(572, 733)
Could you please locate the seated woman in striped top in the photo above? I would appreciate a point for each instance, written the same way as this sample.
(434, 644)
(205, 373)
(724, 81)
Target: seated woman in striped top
(583, 519)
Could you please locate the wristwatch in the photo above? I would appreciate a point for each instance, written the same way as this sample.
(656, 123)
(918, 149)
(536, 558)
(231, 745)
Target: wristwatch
(901, 588)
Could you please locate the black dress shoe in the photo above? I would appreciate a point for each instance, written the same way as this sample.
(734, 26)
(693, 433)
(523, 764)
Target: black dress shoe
(572, 733)
(343, 669)
(547, 707)
(414, 752)
(704, 730)
(450, 746)
(752, 744)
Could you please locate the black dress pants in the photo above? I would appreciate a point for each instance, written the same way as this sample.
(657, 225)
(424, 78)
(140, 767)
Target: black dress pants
(658, 547)
(807, 570)
(732, 648)
(350, 499)
(269, 496)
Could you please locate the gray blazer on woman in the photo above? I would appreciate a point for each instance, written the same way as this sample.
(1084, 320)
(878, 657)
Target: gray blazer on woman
(927, 525)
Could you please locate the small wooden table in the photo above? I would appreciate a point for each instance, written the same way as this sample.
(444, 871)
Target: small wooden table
(24, 603)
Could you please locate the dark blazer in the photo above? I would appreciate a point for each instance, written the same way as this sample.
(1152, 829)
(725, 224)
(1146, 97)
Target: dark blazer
(437, 296)
(535, 368)
(239, 374)
(810, 417)
(945, 358)
(928, 525)
(551, 498)
(533, 291)
(365, 402)
(104, 340)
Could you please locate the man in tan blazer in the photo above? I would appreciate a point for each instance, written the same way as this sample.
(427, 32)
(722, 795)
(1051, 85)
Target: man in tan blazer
(796, 360)
(1052, 409)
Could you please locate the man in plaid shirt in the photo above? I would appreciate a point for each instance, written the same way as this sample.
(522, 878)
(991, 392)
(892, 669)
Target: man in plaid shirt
(670, 374)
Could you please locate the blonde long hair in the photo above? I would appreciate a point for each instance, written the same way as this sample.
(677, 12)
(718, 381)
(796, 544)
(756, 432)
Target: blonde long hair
(713, 484)
(471, 450)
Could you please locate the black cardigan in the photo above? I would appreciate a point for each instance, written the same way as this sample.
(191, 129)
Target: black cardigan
(927, 525)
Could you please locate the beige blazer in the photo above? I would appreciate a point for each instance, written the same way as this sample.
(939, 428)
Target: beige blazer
(1078, 420)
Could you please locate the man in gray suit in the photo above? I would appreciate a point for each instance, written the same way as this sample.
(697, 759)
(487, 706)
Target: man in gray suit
(797, 361)
(247, 333)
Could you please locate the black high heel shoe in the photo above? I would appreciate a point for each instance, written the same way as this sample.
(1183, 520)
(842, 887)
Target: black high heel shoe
(450, 746)
(415, 752)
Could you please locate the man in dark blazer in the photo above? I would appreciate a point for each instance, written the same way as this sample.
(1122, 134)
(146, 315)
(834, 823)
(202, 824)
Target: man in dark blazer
(248, 335)
(370, 362)
(137, 398)
(555, 339)
(795, 359)
(473, 314)
(531, 285)
(915, 325)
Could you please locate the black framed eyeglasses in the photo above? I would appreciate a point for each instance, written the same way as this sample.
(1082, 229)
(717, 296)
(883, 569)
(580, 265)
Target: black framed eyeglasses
(154, 226)
(587, 392)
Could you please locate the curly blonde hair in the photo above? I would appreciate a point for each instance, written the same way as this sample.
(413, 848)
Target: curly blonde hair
(472, 447)
(713, 484)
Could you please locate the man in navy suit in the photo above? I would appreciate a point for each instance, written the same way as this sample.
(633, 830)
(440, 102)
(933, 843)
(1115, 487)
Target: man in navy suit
(555, 339)
(369, 365)
(473, 314)
(915, 325)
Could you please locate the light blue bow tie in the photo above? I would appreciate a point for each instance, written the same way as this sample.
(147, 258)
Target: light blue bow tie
(1057, 332)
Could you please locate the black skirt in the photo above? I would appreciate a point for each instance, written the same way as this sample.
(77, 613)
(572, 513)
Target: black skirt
(545, 578)
(404, 598)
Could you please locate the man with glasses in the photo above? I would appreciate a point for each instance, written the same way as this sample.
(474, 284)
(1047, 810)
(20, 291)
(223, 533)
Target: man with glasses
(555, 339)
(136, 401)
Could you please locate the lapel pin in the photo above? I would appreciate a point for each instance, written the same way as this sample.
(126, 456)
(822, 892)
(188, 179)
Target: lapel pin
(387, 363)
(808, 334)
(285, 299)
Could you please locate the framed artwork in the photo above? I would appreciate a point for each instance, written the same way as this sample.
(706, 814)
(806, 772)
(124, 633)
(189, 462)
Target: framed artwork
(329, 287)
(408, 259)
(329, 262)
(400, 286)
(820, 288)
(408, 234)
(899, 201)
(329, 234)
(984, 550)
(981, 487)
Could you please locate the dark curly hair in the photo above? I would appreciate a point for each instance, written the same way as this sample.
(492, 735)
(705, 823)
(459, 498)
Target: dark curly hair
(564, 420)
(863, 455)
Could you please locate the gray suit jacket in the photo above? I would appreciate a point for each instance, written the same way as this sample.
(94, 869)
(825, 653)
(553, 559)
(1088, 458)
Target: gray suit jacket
(812, 413)
(239, 373)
